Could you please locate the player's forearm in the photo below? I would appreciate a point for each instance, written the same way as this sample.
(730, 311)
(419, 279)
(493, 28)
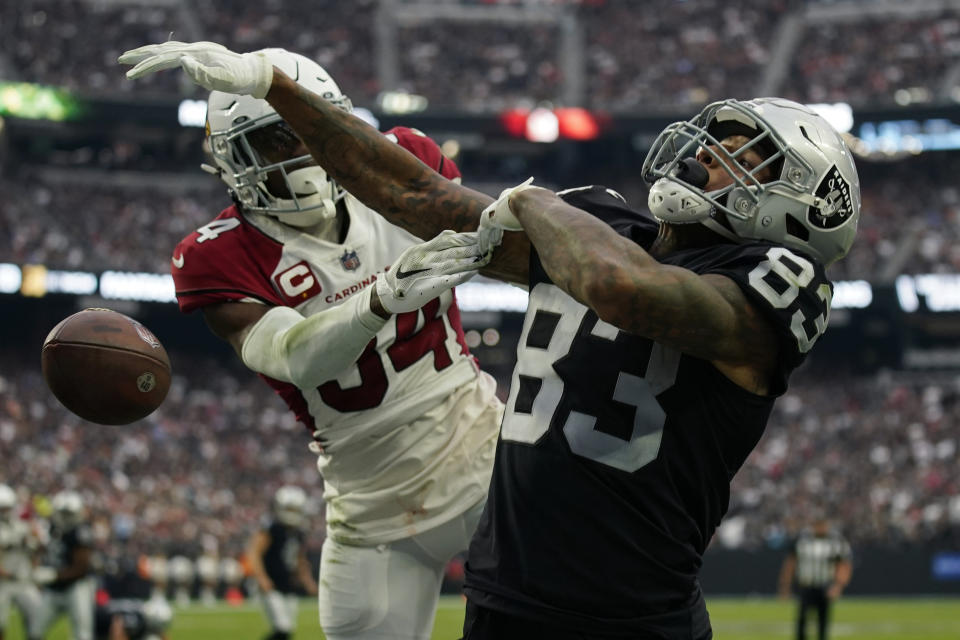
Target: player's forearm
(704, 316)
(842, 575)
(306, 576)
(581, 254)
(383, 175)
(259, 574)
(308, 351)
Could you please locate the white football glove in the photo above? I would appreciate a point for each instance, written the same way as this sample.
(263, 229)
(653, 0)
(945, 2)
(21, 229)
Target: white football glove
(44, 575)
(426, 270)
(497, 218)
(209, 64)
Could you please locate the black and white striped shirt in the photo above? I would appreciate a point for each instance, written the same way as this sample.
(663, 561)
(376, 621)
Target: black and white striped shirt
(817, 558)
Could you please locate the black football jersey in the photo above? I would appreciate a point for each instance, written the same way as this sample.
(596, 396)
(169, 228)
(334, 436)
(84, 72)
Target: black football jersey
(282, 556)
(615, 455)
(63, 544)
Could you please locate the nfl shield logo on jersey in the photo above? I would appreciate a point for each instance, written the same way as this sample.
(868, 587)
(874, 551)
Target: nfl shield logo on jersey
(350, 260)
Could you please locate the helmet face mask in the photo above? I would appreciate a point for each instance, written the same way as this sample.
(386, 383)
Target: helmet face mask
(262, 161)
(805, 194)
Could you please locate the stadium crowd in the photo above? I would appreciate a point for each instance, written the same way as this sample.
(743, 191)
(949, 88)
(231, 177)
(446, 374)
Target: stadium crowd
(671, 55)
(876, 60)
(204, 465)
(197, 474)
(879, 458)
(39, 215)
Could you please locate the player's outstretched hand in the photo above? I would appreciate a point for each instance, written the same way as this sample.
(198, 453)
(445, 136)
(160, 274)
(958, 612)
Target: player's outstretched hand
(498, 217)
(209, 64)
(426, 270)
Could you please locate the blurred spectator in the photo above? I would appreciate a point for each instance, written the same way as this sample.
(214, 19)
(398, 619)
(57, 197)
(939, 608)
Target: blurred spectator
(881, 455)
(675, 55)
(480, 67)
(910, 223)
(204, 463)
(879, 451)
(878, 59)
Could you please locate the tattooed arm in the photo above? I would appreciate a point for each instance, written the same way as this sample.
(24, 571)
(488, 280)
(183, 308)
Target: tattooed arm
(704, 316)
(389, 179)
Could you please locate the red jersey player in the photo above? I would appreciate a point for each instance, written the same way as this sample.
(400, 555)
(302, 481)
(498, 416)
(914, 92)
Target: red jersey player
(404, 422)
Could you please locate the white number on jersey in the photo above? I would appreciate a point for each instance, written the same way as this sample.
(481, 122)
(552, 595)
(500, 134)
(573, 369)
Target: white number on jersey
(213, 230)
(776, 268)
(536, 366)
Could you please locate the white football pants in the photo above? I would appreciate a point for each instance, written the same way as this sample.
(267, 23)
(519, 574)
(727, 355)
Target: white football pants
(77, 601)
(390, 591)
(22, 594)
(281, 610)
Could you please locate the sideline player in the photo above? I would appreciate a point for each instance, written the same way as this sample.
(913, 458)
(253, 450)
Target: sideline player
(133, 619)
(66, 578)
(17, 547)
(277, 556)
(404, 422)
(652, 351)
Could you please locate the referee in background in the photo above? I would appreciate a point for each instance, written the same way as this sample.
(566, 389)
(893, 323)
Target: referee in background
(820, 560)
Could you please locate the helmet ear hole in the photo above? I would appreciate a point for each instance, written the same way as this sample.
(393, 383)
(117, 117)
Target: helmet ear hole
(796, 229)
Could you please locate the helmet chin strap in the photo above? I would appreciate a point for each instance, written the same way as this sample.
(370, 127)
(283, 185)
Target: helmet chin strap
(314, 195)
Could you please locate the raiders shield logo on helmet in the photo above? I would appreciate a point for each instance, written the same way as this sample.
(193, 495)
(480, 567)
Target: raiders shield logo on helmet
(836, 204)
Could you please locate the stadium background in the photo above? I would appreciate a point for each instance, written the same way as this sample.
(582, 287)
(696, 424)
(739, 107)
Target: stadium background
(100, 178)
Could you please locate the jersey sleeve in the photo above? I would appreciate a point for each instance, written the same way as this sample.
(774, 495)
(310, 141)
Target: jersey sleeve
(417, 143)
(226, 260)
(788, 288)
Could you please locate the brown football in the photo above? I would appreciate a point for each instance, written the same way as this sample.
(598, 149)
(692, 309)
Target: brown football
(105, 367)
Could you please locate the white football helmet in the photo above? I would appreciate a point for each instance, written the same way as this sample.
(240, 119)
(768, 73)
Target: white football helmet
(812, 202)
(181, 570)
(8, 502)
(157, 615)
(231, 571)
(243, 131)
(289, 505)
(67, 509)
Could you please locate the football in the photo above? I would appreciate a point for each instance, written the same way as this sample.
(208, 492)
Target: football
(105, 367)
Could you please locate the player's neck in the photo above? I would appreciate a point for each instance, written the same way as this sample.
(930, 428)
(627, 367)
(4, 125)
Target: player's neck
(676, 237)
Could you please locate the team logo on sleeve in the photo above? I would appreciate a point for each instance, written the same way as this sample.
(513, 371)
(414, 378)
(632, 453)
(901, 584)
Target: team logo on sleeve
(837, 203)
(350, 260)
(297, 283)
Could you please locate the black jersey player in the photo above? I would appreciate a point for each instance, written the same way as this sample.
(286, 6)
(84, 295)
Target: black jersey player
(278, 561)
(66, 578)
(651, 353)
(133, 619)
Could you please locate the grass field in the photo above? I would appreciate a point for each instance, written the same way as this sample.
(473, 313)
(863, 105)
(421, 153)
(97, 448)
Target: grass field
(733, 619)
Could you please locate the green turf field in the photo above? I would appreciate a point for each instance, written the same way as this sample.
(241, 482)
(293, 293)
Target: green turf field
(739, 619)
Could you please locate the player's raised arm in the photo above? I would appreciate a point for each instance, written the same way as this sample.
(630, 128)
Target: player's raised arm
(385, 177)
(706, 316)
